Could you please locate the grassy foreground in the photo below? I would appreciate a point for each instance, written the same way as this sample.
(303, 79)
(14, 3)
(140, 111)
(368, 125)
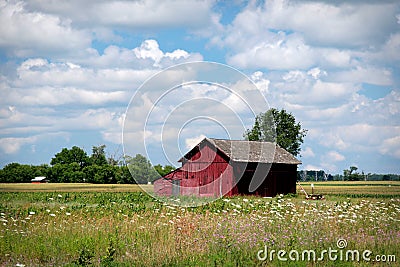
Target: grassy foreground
(133, 229)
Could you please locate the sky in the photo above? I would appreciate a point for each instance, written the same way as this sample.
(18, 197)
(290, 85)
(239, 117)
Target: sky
(79, 73)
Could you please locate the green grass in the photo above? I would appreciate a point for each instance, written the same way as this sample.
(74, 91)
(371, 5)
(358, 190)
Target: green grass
(119, 228)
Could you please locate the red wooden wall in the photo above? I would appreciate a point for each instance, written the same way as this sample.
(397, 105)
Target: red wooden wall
(165, 185)
(207, 173)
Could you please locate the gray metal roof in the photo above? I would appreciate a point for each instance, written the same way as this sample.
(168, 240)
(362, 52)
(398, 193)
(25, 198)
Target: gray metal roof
(253, 151)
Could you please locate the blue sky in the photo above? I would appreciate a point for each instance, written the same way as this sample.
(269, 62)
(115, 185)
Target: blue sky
(69, 69)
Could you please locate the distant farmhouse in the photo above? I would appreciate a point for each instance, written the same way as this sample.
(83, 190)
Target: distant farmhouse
(39, 180)
(220, 167)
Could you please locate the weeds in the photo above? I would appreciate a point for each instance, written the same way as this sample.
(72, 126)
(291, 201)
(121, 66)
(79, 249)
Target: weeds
(132, 229)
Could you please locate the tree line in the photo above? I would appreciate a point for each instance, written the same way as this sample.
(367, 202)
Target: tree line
(75, 166)
(350, 174)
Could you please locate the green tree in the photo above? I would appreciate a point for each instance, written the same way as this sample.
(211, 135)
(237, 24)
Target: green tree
(255, 134)
(141, 169)
(66, 173)
(98, 156)
(123, 176)
(104, 174)
(351, 174)
(164, 170)
(17, 173)
(280, 127)
(67, 156)
(41, 170)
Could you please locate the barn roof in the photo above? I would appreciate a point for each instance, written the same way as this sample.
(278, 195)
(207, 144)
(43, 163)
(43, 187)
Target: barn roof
(250, 151)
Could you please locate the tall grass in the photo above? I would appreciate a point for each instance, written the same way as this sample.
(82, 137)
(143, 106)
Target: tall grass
(132, 229)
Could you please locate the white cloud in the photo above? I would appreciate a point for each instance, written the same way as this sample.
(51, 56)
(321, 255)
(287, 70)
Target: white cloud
(40, 82)
(316, 73)
(191, 142)
(283, 53)
(389, 52)
(356, 138)
(307, 153)
(334, 156)
(149, 49)
(50, 96)
(283, 34)
(25, 33)
(391, 146)
(350, 23)
(112, 136)
(302, 88)
(133, 14)
(11, 145)
(372, 75)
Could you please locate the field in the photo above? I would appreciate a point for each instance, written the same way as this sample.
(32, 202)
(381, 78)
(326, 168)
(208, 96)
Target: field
(69, 187)
(118, 225)
(355, 189)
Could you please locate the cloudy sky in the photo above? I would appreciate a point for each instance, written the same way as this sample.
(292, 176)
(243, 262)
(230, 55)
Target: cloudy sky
(69, 69)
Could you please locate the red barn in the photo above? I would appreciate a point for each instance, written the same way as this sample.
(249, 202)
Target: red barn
(219, 167)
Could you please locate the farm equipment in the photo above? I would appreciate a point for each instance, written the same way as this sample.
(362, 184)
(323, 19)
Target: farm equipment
(312, 196)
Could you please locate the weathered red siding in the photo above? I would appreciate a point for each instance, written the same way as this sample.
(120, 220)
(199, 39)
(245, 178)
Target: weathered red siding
(163, 187)
(207, 173)
(166, 186)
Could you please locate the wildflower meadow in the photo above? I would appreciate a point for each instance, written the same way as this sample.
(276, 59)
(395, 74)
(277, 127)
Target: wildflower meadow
(133, 229)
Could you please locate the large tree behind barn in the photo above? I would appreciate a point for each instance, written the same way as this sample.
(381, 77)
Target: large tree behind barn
(278, 126)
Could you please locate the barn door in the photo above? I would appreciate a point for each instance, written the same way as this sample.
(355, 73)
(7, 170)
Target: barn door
(175, 187)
